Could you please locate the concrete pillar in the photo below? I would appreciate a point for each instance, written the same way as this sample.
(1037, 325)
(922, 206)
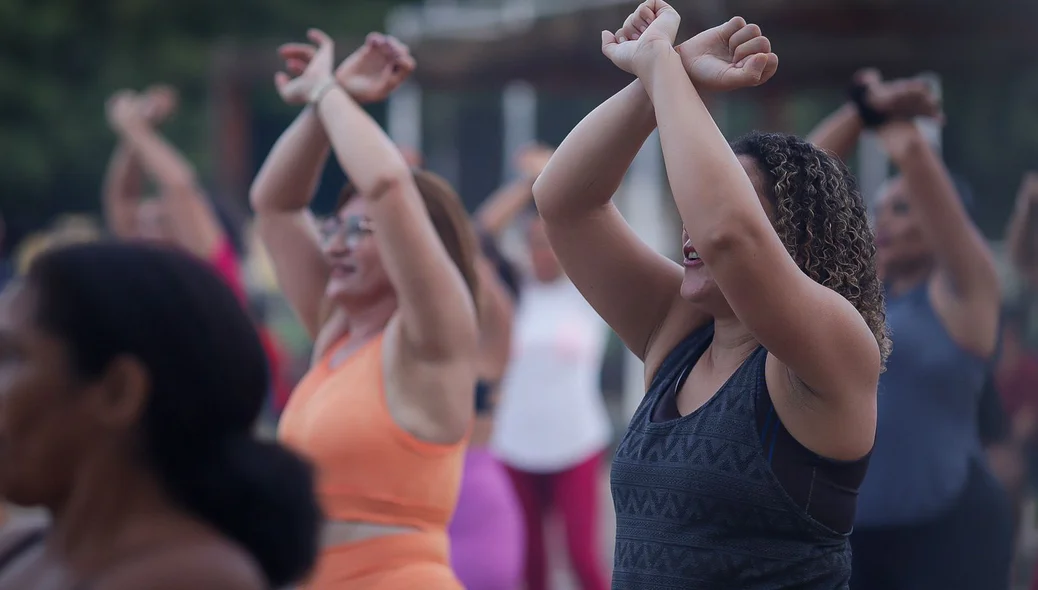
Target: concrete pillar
(873, 166)
(519, 114)
(518, 128)
(404, 116)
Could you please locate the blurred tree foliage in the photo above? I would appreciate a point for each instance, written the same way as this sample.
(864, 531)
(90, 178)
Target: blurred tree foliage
(60, 60)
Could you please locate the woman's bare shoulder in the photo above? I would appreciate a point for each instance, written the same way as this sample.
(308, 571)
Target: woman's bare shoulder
(211, 565)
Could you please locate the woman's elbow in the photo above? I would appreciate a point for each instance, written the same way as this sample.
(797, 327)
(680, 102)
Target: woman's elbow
(551, 204)
(387, 182)
(734, 234)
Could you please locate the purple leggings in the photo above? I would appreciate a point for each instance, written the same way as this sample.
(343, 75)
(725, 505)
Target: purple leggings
(487, 534)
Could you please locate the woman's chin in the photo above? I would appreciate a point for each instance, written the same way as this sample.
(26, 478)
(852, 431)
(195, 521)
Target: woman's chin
(699, 289)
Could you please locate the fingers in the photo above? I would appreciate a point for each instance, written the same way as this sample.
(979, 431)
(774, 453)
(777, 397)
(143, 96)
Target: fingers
(637, 22)
(868, 76)
(296, 67)
(281, 79)
(743, 35)
(769, 68)
(302, 51)
(609, 43)
(319, 37)
(404, 63)
(754, 46)
(375, 39)
(734, 25)
(753, 68)
(659, 6)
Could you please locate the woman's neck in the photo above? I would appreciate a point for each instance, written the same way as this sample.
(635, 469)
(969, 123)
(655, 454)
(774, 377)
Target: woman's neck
(367, 320)
(110, 503)
(732, 341)
(900, 280)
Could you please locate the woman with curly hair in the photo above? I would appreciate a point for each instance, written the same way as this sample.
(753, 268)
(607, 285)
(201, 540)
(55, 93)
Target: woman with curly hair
(929, 498)
(762, 350)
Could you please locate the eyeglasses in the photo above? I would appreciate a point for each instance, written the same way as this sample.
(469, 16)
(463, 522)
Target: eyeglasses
(352, 230)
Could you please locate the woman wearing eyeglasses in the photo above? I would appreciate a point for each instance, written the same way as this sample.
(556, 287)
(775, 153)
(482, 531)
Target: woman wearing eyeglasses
(385, 288)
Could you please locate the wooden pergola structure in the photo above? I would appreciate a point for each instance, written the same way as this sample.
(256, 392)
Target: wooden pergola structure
(483, 45)
(556, 43)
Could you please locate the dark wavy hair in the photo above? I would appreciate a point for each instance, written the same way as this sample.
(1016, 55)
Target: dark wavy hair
(822, 220)
(208, 381)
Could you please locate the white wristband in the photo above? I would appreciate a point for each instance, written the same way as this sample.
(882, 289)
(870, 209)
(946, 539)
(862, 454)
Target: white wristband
(321, 90)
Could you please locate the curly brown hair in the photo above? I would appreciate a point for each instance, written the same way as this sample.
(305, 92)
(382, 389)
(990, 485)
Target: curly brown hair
(822, 220)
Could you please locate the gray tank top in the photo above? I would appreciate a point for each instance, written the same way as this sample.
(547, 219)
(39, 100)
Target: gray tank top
(927, 434)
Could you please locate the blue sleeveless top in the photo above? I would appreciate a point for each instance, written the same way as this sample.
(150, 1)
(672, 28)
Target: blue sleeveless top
(697, 505)
(927, 434)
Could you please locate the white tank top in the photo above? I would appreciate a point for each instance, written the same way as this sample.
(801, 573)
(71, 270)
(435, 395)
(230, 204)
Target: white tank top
(551, 415)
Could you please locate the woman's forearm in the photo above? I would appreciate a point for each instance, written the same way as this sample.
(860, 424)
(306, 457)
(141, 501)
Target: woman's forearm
(587, 169)
(121, 192)
(1023, 226)
(839, 132)
(292, 171)
(711, 189)
(365, 152)
(166, 166)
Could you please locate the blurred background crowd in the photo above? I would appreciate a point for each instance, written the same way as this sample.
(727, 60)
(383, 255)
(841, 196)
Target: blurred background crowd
(493, 78)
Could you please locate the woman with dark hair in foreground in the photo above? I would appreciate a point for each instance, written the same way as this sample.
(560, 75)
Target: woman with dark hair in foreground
(131, 382)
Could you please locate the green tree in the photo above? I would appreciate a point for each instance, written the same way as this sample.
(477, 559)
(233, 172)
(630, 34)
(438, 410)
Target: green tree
(60, 59)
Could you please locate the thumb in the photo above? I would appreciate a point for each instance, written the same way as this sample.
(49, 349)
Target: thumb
(281, 80)
(608, 43)
(322, 40)
(754, 66)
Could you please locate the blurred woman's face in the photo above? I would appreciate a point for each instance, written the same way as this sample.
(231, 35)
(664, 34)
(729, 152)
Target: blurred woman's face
(47, 417)
(348, 244)
(545, 264)
(900, 241)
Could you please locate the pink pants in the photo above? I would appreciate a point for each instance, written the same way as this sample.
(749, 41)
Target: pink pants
(574, 493)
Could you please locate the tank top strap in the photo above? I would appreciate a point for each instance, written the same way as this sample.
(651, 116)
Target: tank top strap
(680, 359)
(19, 547)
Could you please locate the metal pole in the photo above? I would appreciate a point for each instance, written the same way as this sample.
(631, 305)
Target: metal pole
(519, 114)
(404, 116)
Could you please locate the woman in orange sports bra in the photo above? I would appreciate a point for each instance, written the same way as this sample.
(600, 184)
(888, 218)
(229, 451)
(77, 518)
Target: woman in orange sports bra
(385, 288)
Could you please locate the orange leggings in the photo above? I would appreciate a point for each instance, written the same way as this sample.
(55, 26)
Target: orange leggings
(407, 561)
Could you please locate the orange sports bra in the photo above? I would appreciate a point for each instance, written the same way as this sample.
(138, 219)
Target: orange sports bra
(368, 468)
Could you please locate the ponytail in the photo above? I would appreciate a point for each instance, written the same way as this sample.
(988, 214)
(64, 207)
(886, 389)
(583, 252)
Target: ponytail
(258, 494)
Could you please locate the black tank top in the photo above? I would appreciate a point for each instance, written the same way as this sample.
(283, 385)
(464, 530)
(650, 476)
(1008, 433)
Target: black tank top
(697, 504)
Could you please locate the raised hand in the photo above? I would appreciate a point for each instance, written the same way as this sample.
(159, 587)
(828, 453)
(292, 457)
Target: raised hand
(647, 33)
(899, 99)
(728, 57)
(123, 110)
(311, 74)
(370, 74)
(376, 69)
(158, 103)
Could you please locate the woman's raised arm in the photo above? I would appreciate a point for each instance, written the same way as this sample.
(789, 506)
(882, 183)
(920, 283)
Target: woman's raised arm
(814, 331)
(194, 222)
(437, 311)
